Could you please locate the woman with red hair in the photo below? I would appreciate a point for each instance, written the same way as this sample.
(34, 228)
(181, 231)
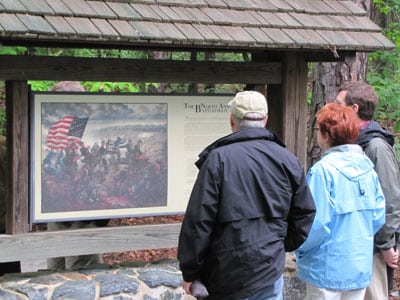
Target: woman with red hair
(336, 259)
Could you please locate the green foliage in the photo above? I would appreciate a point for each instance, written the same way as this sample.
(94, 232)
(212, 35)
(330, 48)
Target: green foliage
(384, 72)
(180, 56)
(234, 57)
(117, 87)
(387, 6)
(223, 89)
(75, 52)
(6, 50)
(41, 86)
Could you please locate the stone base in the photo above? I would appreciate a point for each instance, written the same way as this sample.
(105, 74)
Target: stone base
(155, 281)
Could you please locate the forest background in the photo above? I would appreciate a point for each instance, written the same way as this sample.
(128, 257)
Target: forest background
(380, 69)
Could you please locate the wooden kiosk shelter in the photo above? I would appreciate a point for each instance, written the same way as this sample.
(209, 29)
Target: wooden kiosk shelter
(281, 37)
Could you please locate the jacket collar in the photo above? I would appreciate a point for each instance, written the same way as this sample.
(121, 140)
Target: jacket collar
(245, 134)
(373, 130)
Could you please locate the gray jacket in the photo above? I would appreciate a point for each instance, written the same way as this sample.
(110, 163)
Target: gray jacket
(378, 145)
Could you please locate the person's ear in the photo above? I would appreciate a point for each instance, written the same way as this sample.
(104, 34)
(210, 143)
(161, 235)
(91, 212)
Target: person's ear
(231, 122)
(324, 141)
(355, 107)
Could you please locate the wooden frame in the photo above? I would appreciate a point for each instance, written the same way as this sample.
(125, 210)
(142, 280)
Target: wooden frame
(279, 65)
(42, 245)
(267, 70)
(136, 70)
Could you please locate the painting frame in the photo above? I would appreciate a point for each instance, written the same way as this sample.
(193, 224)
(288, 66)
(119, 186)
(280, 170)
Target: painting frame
(86, 156)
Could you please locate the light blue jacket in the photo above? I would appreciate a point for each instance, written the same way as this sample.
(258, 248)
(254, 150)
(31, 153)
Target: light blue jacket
(338, 251)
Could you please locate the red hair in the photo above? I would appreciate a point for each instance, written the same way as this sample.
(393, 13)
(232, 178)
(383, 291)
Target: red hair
(339, 122)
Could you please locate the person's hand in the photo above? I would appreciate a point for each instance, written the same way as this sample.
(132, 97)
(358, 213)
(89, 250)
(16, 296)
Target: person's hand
(186, 286)
(391, 257)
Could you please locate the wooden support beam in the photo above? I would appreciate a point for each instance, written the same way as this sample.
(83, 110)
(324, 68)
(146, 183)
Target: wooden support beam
(294, 103)
(133, 70)
(17, 188)
(273, 93)
(324, 56)
(275, 108)
(42, 245)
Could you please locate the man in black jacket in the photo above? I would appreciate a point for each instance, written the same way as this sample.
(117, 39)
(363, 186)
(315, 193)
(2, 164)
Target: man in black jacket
(250, 203)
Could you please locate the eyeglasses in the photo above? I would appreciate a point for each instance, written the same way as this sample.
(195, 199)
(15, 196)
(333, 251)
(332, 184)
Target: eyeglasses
(316, 128)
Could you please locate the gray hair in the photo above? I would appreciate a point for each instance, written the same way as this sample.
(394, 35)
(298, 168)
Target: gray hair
(240, 123)
(68, 86)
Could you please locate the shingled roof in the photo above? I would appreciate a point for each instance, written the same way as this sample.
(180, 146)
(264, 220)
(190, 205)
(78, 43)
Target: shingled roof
(213, 24)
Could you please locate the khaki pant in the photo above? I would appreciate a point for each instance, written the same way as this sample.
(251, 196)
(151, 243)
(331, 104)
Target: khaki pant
(378, 288)
(315, 293)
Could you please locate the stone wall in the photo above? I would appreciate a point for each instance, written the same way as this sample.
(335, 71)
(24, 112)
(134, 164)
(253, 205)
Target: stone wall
(154, 281)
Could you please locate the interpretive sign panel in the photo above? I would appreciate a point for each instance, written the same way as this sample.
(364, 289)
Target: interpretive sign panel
(97, 156)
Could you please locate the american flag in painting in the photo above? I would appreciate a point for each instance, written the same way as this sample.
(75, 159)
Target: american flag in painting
(63, 132)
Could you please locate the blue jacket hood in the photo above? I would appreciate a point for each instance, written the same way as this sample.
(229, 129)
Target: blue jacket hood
(349, 165)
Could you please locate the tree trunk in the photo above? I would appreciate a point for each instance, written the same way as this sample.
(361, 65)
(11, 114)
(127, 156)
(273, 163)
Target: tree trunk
(326, 80)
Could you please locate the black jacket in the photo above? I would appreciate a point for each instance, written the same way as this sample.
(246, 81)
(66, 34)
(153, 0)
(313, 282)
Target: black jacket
(249, 204)
(374, 130)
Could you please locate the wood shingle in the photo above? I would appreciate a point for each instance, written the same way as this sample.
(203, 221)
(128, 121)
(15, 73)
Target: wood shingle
(190, 32)
(226, 24)
(272, 19)
(207, 33)
(259, 35)
(148, 30)
(147, 12)
(281, 5)
(314, 40)
(198, 16)
(217, 16)
(60, 25)
(12, 6)
(241, 4)
(262, 4)
(279, 37)
(124, 11)
(102, 10)
(80, 8)
(184, 15)
(11, 24)
(354, 8)
(59, 8)
(83, 26)
(338, 7)
(36, 24)
(125, 29)
(37, 7)
(105, 28)
(288, 19)
(198, 2)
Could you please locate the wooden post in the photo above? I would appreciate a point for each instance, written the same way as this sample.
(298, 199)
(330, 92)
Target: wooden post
(273, 93)
(275, 109)
(17, 191)
(294, 103)
(287, 101)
